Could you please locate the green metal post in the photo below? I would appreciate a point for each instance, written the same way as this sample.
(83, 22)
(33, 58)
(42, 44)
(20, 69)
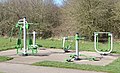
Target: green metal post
(77, 38)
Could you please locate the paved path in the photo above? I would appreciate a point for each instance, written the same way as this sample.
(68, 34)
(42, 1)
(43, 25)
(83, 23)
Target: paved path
(22, 68)
(21, 64)
(58, 55)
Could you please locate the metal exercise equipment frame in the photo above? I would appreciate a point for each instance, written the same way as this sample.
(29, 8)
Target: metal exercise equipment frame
(110, 42)
(77, 55)
(23, 26)
(67, 44)
(76, 38)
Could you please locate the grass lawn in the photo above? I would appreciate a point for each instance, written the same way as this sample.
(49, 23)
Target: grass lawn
(111, 68)
(83, 45)
(4, 58)
(5, 44)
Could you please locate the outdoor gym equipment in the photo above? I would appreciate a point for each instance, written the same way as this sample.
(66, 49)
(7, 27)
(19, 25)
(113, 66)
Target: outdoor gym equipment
(66, 43)
(76, 56)
(33, 42)
(23, 26)
(110, 43)
(77, 38)
(90, 58)
(67, 46)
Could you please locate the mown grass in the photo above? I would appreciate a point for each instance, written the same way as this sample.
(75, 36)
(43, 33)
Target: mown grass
(4, 58)
(111, 68)
(6, 44)
(83, 45)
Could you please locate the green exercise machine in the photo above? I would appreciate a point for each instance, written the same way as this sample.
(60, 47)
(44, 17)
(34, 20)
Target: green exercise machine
(110, 43)
(76, 56)
(28, 44)
(67, 42)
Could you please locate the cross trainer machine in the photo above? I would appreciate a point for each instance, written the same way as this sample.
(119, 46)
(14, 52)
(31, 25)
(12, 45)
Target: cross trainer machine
(110, 43)
(27, 45)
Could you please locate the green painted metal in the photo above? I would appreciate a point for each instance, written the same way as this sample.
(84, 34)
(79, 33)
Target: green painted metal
(27, 26)
(73, 56)
(77, 37)
(17, 25)
(76, 56)
(29, 41)
(67, 46)
(68, 43)
(109, 42)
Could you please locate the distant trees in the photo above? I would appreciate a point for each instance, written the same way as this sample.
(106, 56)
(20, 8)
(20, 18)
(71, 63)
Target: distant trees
(83, 16)
(88, 16)
(44, 14)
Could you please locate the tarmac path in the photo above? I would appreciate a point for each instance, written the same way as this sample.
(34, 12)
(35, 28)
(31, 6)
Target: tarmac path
(22, 64)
